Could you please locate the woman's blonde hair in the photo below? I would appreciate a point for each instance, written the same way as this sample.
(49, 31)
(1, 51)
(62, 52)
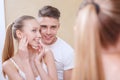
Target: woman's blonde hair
(8, 50)
(97, 25)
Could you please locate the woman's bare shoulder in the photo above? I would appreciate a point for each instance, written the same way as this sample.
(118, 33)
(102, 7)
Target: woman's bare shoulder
(10, 70)
(8, 66)
(6, 63)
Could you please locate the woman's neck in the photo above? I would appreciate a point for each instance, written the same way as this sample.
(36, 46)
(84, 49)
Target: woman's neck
(113, 49)
(32, 52)
(111, 62)
(112, 52)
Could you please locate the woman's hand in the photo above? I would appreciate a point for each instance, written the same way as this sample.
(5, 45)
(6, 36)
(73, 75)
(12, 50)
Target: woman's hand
(23, 49)
(40, 55)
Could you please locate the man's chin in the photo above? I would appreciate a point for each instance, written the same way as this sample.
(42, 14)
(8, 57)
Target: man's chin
(47, 42)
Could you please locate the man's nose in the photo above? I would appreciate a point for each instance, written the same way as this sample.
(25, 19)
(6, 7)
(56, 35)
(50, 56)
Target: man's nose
(48, 31)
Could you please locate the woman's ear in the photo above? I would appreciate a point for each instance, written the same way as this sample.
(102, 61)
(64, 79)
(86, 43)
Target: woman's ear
(19, 34)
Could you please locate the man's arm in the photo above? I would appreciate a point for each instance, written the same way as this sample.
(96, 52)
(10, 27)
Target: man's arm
(67, 74)
(68, 64)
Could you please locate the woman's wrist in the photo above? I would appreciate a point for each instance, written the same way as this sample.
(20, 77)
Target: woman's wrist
(38, 63)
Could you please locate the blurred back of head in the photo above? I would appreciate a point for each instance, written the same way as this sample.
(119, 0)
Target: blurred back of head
(97, 25)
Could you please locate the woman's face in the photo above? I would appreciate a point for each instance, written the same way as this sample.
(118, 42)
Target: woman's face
(31, 30)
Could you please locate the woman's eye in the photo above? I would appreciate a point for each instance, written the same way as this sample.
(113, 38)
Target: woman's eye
(40, 30)
(33, 30)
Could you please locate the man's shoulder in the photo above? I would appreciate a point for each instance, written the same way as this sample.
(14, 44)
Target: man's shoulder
(64, 44)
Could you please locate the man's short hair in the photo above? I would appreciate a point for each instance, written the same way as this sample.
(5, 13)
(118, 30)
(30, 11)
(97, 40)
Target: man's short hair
(49, 11)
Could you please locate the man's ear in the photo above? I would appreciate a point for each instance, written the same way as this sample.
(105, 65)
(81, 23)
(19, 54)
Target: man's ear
(19, 34)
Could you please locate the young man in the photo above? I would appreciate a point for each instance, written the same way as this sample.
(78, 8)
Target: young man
(48, 18)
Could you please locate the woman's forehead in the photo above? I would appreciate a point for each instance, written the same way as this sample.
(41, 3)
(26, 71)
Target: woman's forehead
(31, 23)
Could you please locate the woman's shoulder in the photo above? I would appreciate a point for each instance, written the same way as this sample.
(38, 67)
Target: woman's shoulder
(8, 66)
(10, 70)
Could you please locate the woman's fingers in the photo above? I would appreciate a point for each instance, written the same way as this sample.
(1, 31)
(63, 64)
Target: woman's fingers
(40, 55)
(23, 45)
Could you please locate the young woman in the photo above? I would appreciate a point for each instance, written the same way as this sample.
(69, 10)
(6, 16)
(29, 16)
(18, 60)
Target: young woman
(30, 61)
(97, 41)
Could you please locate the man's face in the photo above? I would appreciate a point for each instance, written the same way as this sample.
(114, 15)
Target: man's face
(49, 27)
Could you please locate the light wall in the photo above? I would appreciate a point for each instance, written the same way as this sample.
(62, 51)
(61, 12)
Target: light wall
(68, 9)
(2, 34)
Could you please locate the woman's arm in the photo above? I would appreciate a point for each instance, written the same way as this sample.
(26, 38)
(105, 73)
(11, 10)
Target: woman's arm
(50, 62)
(51, 68)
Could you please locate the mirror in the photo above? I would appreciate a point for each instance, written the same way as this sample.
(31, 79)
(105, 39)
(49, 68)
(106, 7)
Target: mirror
(68, 9)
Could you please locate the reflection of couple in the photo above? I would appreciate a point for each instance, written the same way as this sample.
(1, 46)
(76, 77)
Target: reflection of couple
(33, 60)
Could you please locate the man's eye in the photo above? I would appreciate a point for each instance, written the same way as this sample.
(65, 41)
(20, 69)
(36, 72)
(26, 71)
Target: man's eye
(53, 27)
(43, 26)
